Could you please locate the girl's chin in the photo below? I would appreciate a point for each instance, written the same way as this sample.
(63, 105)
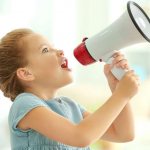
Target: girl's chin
(67, 82)
(70, 80)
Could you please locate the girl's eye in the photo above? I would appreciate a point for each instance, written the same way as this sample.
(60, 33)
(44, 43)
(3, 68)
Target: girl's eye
(45, 50)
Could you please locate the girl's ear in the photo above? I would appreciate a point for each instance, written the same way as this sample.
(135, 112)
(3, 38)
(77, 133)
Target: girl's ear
(25, 74)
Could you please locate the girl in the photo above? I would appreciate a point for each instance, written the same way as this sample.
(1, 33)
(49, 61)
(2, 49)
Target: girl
(31, 72)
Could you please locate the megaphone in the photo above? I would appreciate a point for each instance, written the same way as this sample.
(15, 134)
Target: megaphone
(132, 27)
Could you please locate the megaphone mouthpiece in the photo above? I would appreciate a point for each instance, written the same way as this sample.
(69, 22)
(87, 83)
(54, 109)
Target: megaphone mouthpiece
(82, 54)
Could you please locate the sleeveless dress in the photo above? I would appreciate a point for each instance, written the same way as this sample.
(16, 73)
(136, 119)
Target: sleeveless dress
(31, 139)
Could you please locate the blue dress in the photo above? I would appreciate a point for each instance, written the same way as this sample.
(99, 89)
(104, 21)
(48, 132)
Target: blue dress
(32, 140)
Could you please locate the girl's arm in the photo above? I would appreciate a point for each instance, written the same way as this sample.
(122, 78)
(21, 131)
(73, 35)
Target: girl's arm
(56, 127)
(122, 129)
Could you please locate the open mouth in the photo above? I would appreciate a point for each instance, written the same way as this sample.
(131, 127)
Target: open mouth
(64, 63)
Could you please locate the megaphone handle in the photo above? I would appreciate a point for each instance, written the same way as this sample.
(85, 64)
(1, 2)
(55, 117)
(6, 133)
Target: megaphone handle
(117, 72)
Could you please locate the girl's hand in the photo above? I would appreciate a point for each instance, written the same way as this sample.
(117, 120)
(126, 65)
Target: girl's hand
(128, 85)
(120, 62)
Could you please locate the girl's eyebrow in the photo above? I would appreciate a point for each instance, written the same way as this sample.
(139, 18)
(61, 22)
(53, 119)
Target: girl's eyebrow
(51, 46)
(44, 45)
(40, 47)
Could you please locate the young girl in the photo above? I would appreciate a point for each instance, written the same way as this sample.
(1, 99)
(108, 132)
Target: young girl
(31, 72)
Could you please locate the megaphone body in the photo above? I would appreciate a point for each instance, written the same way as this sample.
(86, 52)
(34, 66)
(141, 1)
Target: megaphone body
(132, 27)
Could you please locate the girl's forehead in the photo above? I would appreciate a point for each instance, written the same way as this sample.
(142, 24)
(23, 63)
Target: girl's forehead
(36, 38)
(35, 41)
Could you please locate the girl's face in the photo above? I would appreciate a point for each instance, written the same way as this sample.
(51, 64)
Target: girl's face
(47, 64)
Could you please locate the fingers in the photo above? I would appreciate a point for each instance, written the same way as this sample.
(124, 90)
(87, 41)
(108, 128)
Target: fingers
(116, 53)
(123, 64)
(120, 61)
(118, 57)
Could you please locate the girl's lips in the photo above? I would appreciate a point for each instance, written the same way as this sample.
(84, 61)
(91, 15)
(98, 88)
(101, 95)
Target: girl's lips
(64, 64)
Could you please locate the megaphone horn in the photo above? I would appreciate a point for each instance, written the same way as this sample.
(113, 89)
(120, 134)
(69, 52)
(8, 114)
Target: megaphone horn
(132, 27)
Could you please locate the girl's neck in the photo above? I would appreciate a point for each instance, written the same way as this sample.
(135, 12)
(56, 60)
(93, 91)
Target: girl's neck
(45, 94)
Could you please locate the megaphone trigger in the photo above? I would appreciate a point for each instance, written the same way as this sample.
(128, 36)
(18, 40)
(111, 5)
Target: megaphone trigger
(117, 72)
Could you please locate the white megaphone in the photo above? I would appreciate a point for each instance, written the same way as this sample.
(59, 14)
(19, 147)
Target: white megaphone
(132, 27)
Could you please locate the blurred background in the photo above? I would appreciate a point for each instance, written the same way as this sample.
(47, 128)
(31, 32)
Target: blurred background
(65, 23)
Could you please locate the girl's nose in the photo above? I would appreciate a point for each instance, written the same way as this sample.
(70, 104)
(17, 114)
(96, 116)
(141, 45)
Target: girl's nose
(60, 53)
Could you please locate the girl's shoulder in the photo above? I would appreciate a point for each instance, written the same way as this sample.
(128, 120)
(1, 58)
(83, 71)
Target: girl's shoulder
(25, 100)
(22, 104)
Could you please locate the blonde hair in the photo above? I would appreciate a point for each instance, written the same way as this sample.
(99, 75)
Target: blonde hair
(12, 57)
